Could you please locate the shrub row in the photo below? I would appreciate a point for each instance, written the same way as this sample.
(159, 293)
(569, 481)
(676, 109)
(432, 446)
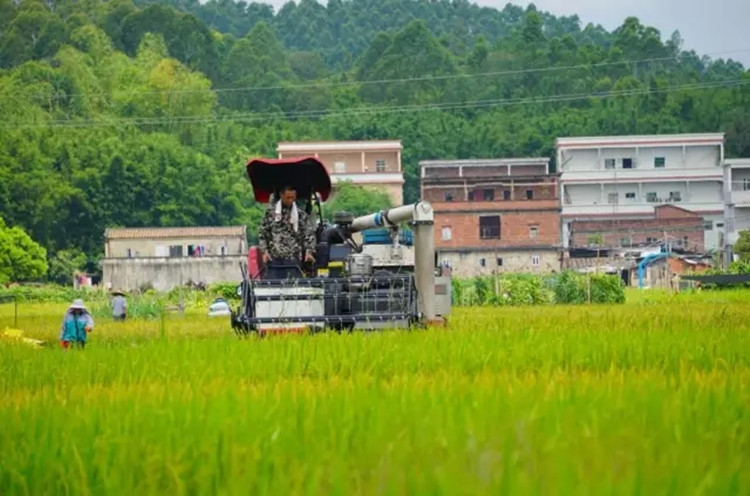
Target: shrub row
(526, 289)
(510, 289)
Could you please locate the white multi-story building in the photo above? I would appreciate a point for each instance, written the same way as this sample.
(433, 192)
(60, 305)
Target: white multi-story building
(737, 197)
(625, 177)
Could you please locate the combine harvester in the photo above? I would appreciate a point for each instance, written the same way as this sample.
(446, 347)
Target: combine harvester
(383, 281)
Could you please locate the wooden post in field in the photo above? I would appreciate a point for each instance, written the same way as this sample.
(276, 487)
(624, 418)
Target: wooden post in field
(182, 268)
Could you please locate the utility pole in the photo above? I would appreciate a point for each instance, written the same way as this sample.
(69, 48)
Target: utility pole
(668, 249)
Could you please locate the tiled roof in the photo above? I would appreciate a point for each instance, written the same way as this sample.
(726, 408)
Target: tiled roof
(174, 232)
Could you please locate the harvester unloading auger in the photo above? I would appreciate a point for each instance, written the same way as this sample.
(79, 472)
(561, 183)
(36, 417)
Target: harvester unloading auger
(388, 279)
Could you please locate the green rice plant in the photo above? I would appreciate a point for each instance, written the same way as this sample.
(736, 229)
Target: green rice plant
(646, 397)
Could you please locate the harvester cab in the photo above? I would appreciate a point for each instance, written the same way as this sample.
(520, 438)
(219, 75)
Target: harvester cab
(368, 272)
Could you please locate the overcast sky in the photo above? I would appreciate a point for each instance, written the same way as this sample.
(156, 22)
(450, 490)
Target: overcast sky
(706, 26)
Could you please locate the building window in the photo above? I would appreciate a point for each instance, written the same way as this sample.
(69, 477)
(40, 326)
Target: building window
(175, 251)
(651, 197)
(625, 242)
(488, 194)
(129, 253)
(746, 184)
(719, 225)
(471, 196)
(223, 251)
(380, 165)
(630, 196)
(196, 250)
(506, 194)
(533, 232)
(529, 194)
(448, 196)
(535, 260)
(627, 163)
(609, 163)
(446, 233)
(482, 262)
(675, 196)
(684, 242)
(339, 167)
(489, 227)
(708, 225)
(613, 198)
(499, 261)
(659, 162)
(650, 241)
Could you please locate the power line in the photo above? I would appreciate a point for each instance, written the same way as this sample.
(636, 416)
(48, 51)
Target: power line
(333, 84)
(325, 113)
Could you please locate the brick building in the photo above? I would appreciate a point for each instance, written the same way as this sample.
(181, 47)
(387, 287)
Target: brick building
(677, 226)
(496, 215)
(370, 164)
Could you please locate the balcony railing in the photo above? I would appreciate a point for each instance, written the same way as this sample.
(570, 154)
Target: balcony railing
(640, 175)
(636, 201)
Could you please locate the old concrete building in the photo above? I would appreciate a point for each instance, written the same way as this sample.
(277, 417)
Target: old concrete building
(371, 164)
(494, 216)
(166, 257)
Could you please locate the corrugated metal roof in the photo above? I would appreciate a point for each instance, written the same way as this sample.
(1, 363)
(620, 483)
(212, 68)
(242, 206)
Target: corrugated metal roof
(174, 232)
(602, 263)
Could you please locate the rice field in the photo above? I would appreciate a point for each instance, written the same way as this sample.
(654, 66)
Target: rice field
(649, 397)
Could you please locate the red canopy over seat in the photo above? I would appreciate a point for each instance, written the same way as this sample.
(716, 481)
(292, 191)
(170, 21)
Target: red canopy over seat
(306, 174)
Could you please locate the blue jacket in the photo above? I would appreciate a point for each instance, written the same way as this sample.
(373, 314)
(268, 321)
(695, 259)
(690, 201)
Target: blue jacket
(73, 326)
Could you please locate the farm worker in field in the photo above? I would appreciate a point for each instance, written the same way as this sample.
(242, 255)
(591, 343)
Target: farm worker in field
(119, 306)
(77, 323)
(286, 237)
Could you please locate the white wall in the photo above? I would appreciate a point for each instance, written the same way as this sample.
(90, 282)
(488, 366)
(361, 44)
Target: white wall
(707, 192)
(163, 274)
(713, 238)
(582, 194)
(741, 218)
(468, 264)
(695, 157)
(737, 202)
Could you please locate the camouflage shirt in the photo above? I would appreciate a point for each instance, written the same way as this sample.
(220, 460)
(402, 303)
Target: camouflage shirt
(278, 238)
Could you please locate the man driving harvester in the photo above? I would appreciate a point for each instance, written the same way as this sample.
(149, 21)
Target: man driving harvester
(286, 237)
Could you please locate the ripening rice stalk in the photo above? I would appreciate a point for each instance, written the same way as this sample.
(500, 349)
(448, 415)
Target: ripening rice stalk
(646, 397)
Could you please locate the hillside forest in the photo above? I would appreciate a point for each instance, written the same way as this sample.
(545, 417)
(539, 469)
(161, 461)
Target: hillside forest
(144, 113)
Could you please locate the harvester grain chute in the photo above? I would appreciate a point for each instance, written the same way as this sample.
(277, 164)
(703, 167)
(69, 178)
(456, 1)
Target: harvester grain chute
(386, 279)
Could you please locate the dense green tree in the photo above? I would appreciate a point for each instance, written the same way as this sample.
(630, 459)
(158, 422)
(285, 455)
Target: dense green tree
(256, 67)
(742, 246)
(357, 200)
(122, 114)
(64, 264)
(21, 259)
(412, 55)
